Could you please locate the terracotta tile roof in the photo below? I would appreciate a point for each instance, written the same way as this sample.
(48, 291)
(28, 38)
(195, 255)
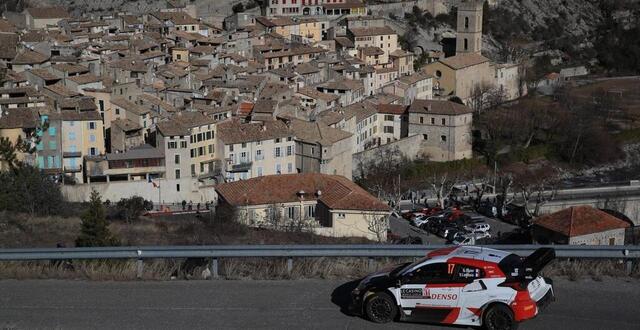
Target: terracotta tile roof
(245, 109)
(6, 26)
(265, 106)
(317, 132)
(371, 51)
(580, 220)
(233, 131)
(337, 192)
(48, 12)
(331, 117)
(70, 68)
(86, 78)
(191, 119)
(19, 118)
(8, 43)
(464, 60)
(371, 31)
(312, 93)
(130, 106)
(172, 128)
(392, 109)
(44, 74)
(29, 57)
(439, 107)
(126, 125)
(70, 115)
(414, 78)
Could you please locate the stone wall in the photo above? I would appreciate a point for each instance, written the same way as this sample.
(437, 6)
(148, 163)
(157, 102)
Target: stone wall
(412, 147)
(115, 190)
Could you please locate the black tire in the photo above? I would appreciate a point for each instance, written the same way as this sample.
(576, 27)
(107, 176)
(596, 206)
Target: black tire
(381, 308)
(499, 317)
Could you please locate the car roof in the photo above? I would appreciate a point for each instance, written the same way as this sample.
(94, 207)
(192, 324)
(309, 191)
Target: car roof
(468, 252)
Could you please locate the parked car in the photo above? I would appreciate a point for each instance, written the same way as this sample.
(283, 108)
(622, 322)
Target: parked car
(445, 231)
(478, 227)
(420, 221)
(461, 285)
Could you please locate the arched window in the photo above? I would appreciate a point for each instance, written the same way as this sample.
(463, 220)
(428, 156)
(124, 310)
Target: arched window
(466, 22)
(438, 73)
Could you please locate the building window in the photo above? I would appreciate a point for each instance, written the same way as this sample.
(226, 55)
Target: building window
(425, 137)
(52, 145)
(52, 131)
(178, 187)
(72, 136)
(438, 73)
(289, 150)
(178, 174)
(92, 125)
(388, 117)
(466, 22)
(92, 138)
(289, 168)
(278, 140)
(278, 169)
(259, 155)
(93, 151)
(244, 145)
(176, 159)
(388, 129)
(466, 44)
(443, 138)
(259, 169)
(433, 121)
(183, 144)
(421, 120)
(340, 215)
(311, 211)
(444, 121)
(291, 212)
(211, 148)
(276, 152)
(193, 169)
(173, 145)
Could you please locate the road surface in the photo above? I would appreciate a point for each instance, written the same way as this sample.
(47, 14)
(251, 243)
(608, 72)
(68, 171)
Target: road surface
(304, 304)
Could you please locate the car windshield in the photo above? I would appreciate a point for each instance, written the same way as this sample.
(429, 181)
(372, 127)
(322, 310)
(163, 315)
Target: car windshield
(397, 270)
(406, 266)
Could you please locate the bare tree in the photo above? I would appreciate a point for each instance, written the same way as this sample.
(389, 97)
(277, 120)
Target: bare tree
(479, 95)
(378, 224)
(535, 185)
(442, 185)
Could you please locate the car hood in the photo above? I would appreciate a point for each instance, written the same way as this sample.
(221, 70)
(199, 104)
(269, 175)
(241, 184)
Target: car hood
(380, 278)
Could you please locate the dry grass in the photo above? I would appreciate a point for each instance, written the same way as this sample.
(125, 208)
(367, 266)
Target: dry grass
(161, 270)
(595, 269)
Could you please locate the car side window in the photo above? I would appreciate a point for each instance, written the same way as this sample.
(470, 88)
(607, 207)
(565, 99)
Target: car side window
(466, 274)
(431, 273)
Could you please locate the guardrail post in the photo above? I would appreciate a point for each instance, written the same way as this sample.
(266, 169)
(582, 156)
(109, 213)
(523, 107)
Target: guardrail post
(214, 268)
(372, 264)
(289, 265)
(139, 268)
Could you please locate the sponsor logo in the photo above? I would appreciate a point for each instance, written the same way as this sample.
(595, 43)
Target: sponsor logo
(417, 293)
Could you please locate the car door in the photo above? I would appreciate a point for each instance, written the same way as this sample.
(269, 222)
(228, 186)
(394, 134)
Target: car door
(427, 294)
(473, 294)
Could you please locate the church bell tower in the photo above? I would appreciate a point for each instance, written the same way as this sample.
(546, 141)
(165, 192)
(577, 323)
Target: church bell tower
(469, 38)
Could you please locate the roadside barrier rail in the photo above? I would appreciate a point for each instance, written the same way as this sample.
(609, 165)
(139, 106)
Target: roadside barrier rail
(628, 253)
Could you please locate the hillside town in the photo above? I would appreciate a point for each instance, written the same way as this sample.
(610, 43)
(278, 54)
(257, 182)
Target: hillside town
(271, 111)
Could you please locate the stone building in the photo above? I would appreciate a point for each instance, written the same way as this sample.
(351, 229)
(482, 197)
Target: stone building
(445, 126)
(580, 225)
(328, 205)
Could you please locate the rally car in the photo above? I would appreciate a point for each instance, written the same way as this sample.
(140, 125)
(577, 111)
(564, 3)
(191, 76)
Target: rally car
(462, 285)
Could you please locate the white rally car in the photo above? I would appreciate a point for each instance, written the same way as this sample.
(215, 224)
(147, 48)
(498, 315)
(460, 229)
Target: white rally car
(462, 285)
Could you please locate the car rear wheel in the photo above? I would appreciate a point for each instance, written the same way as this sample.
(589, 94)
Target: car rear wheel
(499, 317)
(381, 308)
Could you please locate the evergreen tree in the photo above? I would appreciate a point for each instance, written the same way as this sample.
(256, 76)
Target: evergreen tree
(95, 230)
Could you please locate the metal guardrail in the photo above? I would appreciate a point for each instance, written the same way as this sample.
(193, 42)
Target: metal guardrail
(248, 251)
(215, 252)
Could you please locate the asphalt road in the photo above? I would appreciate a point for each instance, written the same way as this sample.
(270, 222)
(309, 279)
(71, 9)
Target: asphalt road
(309, 304)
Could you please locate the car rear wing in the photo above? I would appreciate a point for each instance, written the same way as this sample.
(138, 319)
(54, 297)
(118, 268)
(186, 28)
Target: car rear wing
(534, 263)
(520, 269)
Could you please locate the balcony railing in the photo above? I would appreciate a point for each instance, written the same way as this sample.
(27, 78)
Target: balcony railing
(71, 154)
(240, 167)
(73, 168)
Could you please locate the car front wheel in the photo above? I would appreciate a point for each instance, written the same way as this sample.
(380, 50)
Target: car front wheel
(499, 317)
(381, 308)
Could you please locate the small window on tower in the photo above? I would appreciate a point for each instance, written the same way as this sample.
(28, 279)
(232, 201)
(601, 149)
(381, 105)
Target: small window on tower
(466, 44)
(466, 22)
